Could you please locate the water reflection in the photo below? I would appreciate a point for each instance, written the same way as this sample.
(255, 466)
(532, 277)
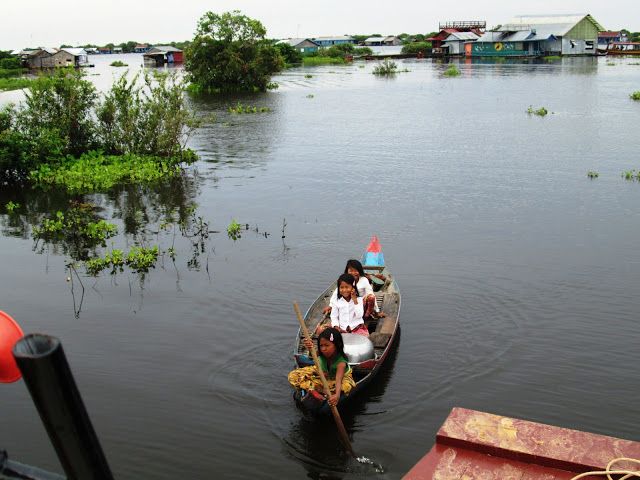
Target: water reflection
(235, 139)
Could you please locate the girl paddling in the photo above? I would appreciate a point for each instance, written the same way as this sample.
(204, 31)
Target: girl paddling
(334, 364)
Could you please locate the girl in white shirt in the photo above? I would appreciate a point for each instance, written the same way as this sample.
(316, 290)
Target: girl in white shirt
(346, 312)
(365, 291)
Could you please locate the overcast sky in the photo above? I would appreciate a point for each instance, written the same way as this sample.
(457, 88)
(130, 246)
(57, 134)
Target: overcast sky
(52, 23)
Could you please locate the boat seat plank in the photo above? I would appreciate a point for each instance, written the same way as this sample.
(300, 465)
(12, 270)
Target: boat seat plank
(379, 340)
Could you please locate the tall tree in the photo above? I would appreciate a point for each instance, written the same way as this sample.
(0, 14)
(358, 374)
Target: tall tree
(230, 53)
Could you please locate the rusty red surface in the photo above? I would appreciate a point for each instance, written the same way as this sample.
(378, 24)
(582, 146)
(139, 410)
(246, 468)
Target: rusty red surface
(475, 445)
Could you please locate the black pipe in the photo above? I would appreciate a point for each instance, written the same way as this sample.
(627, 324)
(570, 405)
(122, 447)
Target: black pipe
(46, 372)
(10, 470)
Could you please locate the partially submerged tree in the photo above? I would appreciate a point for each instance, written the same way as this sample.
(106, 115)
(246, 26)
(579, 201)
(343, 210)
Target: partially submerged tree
(230, 53)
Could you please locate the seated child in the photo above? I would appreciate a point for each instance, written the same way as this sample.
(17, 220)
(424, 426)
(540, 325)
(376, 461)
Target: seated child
(334, 365)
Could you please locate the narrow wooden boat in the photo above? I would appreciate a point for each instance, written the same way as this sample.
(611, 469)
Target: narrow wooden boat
(383, 332)
(624, 48)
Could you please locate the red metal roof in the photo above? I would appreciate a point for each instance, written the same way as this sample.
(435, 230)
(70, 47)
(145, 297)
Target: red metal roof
(608, 34)
(477, 445)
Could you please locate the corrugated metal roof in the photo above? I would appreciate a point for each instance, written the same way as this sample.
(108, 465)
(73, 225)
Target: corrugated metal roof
(561, 23)
(295, 41)
(462, 36)
(163, 49)
(339, 37)
(76, 52)
(375, 39)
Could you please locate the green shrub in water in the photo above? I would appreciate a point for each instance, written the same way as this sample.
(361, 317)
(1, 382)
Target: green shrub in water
(452, 71)
(241, 108)
(541, 112)
(119, 63)
(234, 230)
(635, 95)
(591, 174)
(387, 67)
(11, 207)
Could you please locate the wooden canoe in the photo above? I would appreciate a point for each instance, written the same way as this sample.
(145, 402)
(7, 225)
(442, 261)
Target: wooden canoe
(383, 332)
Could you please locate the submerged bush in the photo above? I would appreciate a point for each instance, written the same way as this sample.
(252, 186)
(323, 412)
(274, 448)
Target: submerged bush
(63, 119)
(635, 95)
(452, 71)
(145, 118)
(387, 67)
(541, 112)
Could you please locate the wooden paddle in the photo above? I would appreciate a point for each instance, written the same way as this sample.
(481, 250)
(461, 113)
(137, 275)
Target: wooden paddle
(334, 410)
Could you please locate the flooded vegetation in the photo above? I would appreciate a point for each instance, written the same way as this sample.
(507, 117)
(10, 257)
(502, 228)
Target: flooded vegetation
(172, 295)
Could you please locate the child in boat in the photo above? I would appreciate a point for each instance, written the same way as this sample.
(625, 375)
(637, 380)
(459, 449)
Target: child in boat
(365, 291)
(347, 310)
(334, 364)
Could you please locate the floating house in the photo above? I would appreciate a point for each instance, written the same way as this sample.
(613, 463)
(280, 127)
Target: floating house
(330, 41)
(141, 48)
(605, 38)
(391, 40)
(538, 35)
(104, 51)
(162, 54)
(66, 57)
(37, 58)
(446, 29)
(303, 45)
(455, 42)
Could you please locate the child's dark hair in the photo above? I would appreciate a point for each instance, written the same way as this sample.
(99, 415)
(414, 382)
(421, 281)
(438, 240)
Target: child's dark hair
(346, 278)
(356, 265)
(335, 337)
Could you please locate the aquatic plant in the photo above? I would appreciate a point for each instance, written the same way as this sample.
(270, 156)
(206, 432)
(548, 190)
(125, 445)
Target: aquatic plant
(387, 67)
(11, 207)
(591, 174)
(118, 63)
(312, 61)
(611, 64)
(139, 260)
(452, 71)
(308, 75)
(635, 95)
(552, 58)
(631, 175)
(94, 171)
(541, 112)
(13, 83)
(78, 222)
(234, 230)
(310, 95)
(241, 108)
(273, 86)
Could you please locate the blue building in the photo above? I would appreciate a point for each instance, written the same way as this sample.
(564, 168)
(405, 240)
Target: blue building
(330, 41)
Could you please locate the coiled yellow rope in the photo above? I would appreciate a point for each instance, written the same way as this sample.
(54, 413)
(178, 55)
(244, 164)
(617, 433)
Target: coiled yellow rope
(628, 474)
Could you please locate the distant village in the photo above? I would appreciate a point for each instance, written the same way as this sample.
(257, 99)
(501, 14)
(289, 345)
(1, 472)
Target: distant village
(522, 36)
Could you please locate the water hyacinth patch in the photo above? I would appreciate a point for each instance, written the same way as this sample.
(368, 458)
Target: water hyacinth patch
(591, 174)
(94, 171)
(635, 95)
(241, 108)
